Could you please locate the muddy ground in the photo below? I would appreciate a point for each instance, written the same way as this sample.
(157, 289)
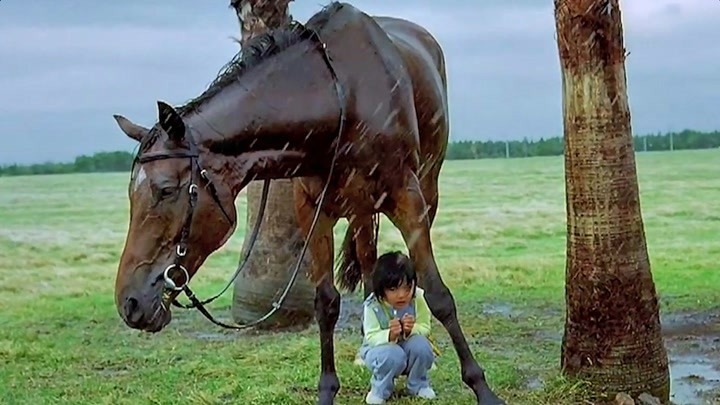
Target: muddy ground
(692, 341)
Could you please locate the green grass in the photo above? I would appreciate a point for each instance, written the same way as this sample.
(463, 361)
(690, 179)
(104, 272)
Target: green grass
(499, 240)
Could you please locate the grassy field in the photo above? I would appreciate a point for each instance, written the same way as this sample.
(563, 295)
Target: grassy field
(500, 243)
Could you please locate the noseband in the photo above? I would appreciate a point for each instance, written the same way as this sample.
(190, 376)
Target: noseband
(181, 249)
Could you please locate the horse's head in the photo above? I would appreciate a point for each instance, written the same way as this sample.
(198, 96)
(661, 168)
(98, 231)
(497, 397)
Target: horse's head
(178, 217)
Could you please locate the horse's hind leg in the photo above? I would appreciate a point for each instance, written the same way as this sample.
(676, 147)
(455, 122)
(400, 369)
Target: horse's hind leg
(365, 240)
(366, 247)
(408, 212)
(327, 297)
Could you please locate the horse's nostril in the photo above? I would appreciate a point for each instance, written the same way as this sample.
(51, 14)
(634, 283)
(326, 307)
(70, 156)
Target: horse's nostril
(131, 310)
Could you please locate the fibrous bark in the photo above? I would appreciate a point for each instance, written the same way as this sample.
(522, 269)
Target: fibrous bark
(612, 332)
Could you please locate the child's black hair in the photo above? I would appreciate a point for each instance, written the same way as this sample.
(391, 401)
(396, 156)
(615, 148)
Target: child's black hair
(391, 270)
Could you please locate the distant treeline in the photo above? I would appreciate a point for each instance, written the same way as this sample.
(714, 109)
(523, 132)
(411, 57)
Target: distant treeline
(687, 139)
(100, 162)
(122, 161)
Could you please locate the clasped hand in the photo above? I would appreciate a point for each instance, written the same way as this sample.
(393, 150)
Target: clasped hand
(402, 326)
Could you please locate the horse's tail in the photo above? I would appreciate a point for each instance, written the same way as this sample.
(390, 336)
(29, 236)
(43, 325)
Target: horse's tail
(361, 238)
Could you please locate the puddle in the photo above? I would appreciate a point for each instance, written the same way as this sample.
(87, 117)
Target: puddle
(499, 309)
(534, 383)
(691, 378)
(693, 343)
(210, 336)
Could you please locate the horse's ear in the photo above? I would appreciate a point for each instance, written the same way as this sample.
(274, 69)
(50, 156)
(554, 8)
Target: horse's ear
(170, 121)
(131, 129)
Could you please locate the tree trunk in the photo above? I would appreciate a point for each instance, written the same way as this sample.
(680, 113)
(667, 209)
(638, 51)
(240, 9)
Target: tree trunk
(612, 332)
(279, 242)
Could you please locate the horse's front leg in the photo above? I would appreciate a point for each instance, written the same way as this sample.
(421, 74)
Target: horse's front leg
(327, 297)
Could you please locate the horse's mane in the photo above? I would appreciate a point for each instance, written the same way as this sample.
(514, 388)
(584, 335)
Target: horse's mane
(258, 49)
(255, 51)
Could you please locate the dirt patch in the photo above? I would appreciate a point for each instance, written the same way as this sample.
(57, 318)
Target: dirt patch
(213, 337)
(351, 310)
(501, 309)
(691, 323)
(692, 340)
(534, 383)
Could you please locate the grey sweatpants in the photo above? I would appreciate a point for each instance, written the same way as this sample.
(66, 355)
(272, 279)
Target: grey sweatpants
(413, 356)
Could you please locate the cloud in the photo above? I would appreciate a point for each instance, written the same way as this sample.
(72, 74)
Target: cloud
(74, 68)
(649, 18)
(68, 66)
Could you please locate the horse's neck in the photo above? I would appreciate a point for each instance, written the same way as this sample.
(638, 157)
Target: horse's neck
(274, 118)
(277, 105)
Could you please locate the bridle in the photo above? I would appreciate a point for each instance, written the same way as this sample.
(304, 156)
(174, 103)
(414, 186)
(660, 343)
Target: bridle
(181, 249)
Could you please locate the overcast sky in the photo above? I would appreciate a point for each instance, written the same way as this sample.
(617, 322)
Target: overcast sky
(67, 66)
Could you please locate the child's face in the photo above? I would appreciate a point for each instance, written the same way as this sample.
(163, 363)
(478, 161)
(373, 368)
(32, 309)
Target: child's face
(399, 296)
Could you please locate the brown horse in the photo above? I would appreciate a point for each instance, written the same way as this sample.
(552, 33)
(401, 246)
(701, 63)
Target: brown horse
(353, 108)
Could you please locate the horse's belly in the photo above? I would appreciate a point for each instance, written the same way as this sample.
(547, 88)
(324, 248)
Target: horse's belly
(358, 196)
(349, 195)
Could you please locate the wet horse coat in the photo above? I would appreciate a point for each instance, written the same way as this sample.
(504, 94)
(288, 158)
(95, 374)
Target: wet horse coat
(365, 130)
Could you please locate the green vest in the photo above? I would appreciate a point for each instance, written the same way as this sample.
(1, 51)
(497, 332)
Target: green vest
(384, 314)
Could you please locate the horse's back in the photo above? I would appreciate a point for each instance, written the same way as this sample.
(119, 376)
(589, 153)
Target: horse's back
(415, 43)
(394, 58)
(425, 62)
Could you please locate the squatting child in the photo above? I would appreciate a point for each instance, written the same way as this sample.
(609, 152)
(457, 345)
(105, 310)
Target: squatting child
(396, 326)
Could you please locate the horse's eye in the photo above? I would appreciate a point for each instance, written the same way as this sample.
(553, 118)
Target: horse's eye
(166, 192)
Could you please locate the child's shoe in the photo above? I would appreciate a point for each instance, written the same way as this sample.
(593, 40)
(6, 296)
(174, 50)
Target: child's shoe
(426, 393)
(372, 398)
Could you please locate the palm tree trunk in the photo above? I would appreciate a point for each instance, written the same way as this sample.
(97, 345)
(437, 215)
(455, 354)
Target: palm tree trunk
(279, 242)
(612, 331)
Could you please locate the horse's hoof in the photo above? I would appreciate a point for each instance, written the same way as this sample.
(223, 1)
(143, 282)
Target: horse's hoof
(489, 398)
(496, 401)
(326, 398)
